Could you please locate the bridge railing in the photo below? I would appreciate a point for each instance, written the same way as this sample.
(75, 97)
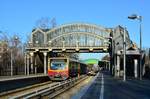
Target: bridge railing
(31, 45)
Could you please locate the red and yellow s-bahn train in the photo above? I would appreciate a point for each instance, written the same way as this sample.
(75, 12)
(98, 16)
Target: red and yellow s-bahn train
(61, 68)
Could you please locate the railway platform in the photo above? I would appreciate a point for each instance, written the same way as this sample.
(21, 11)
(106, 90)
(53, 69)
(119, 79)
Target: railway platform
(8, 83)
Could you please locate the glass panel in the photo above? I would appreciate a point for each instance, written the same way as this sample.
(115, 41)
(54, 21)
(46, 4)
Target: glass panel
(38, 38)
(58, 64)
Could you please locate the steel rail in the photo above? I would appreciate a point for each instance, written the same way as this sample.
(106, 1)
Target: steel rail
(51, 91)
(7, 93)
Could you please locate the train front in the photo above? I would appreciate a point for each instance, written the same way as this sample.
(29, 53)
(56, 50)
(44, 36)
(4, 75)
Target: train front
(58, 69)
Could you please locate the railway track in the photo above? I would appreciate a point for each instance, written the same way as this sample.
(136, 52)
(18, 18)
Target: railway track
(44, 90)
(8, 94)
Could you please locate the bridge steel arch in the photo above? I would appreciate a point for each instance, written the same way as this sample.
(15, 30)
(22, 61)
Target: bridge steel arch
(70, 38)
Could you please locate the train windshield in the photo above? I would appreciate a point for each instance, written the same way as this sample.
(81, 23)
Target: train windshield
(58, 65)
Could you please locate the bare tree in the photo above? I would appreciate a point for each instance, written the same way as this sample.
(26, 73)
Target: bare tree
(43, 23)
(46, 23)
(11, 46)
(53, 22)
(4, 54)
(18, 54)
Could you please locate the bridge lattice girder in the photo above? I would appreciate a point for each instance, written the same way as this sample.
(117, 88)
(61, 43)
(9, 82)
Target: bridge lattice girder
(71, 35)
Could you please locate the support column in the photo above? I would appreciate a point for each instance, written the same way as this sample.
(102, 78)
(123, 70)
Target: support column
(118, 65)
(115, 65)
(32, 54)
(135, 67)
(106, 66)
(79, 70)
(28, 64)
(45, 61)
(35, 69)
(109, 66)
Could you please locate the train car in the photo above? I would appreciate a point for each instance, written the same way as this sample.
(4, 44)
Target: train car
(61, 68)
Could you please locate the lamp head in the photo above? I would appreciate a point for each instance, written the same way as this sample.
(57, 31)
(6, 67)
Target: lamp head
(133, 16)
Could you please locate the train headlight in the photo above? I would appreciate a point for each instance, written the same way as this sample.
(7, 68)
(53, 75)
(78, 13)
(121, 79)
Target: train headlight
(64, 77)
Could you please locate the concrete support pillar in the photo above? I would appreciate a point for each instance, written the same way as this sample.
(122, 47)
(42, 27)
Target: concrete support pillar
(28, 62)
(118, 65)
(135, 68)
(45, 61)
(31, 54)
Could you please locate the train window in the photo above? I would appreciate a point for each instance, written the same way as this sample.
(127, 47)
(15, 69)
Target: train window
(58, 65)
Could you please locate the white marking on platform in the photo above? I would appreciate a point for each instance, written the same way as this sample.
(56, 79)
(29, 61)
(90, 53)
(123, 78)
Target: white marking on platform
(102, 88)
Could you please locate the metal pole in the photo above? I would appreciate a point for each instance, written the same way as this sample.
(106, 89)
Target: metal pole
(112, 53)
(25, 63)
(140, 19)
(28, 57)
(113, 57)
(124, 55)
(11, 56)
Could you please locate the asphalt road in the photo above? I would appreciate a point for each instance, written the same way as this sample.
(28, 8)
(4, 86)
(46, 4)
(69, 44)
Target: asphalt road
(108, 87)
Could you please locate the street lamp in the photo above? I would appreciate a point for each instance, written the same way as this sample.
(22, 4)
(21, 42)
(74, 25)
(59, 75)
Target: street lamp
(133, 17)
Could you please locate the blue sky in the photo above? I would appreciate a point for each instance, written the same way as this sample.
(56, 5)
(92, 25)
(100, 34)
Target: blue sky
(20, 16)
